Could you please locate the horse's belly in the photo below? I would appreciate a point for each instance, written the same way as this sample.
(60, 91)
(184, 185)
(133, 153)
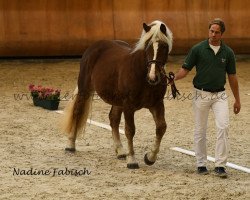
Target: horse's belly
(105, 81)
(110, 98)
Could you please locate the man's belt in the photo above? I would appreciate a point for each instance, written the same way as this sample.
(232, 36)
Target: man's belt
(210, 90)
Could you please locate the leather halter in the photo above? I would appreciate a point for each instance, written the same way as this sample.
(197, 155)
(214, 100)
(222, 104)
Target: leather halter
(168, 79)
(155, 62)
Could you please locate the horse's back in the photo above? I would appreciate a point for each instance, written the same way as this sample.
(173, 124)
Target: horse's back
(106, 46)
(104, 53)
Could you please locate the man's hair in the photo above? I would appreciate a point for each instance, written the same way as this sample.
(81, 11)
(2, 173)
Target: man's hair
(219, 22)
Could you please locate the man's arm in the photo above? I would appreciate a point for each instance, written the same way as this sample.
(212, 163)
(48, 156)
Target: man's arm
(181, 74)
(233, 82)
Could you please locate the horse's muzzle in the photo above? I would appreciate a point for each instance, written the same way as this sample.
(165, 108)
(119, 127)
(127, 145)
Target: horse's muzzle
(154, 80)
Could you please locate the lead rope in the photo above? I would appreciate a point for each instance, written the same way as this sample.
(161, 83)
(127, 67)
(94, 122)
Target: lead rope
(170, 77)
(171, 82)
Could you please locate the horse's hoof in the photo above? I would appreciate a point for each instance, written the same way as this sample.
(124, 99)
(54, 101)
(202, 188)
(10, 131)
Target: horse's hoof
(71, 150)
(133, 166)
(147, 161)
(122, 157)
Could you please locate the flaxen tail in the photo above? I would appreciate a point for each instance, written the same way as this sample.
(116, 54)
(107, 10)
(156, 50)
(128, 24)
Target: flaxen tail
(77, 110)
(76, 114)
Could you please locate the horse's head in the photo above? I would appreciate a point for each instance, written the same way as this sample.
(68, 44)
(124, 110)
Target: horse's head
(157, 55)
(156, 40)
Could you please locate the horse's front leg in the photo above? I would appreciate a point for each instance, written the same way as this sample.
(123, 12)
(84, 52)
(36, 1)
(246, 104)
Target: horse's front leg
(158, 113)
(130, 132)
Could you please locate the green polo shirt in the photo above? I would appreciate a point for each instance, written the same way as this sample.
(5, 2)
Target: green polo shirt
(211, 69)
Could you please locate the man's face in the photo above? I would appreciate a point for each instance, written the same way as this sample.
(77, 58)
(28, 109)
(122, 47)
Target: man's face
(215, 34)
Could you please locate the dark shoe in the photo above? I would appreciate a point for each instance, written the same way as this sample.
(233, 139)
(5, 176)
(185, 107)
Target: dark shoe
(202, 170)
(220, 171)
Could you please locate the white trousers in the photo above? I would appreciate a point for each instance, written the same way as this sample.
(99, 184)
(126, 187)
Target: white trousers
(218, 103)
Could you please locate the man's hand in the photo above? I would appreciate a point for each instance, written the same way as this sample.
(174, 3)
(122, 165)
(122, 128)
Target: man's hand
(237, 107)
(233, 82)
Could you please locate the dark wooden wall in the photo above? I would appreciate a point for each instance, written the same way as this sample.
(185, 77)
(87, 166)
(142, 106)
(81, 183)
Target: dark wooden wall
(68, 27)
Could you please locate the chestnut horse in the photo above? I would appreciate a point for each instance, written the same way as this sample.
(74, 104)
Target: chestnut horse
(128, 79)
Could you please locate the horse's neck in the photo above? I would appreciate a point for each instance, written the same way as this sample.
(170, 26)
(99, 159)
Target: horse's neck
(136, 65)
(138, 59)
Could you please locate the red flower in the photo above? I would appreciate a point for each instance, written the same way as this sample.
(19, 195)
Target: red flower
(44, 92)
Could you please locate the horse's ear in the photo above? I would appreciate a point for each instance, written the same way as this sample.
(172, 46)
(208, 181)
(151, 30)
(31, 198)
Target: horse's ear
(163, 29)
(146, 27)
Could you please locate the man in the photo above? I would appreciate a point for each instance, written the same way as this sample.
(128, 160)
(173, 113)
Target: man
(213, 60)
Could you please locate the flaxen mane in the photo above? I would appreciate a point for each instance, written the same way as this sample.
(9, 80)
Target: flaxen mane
(153, 35)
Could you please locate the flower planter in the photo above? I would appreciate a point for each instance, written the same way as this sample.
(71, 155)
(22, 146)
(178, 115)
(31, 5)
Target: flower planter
(45, 97)
(47, 104)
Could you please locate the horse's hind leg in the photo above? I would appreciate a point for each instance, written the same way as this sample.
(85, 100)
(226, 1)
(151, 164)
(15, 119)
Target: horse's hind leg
(77, 116)
(77, 110)
(158, 113)
(115, 118)
(71, 142)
